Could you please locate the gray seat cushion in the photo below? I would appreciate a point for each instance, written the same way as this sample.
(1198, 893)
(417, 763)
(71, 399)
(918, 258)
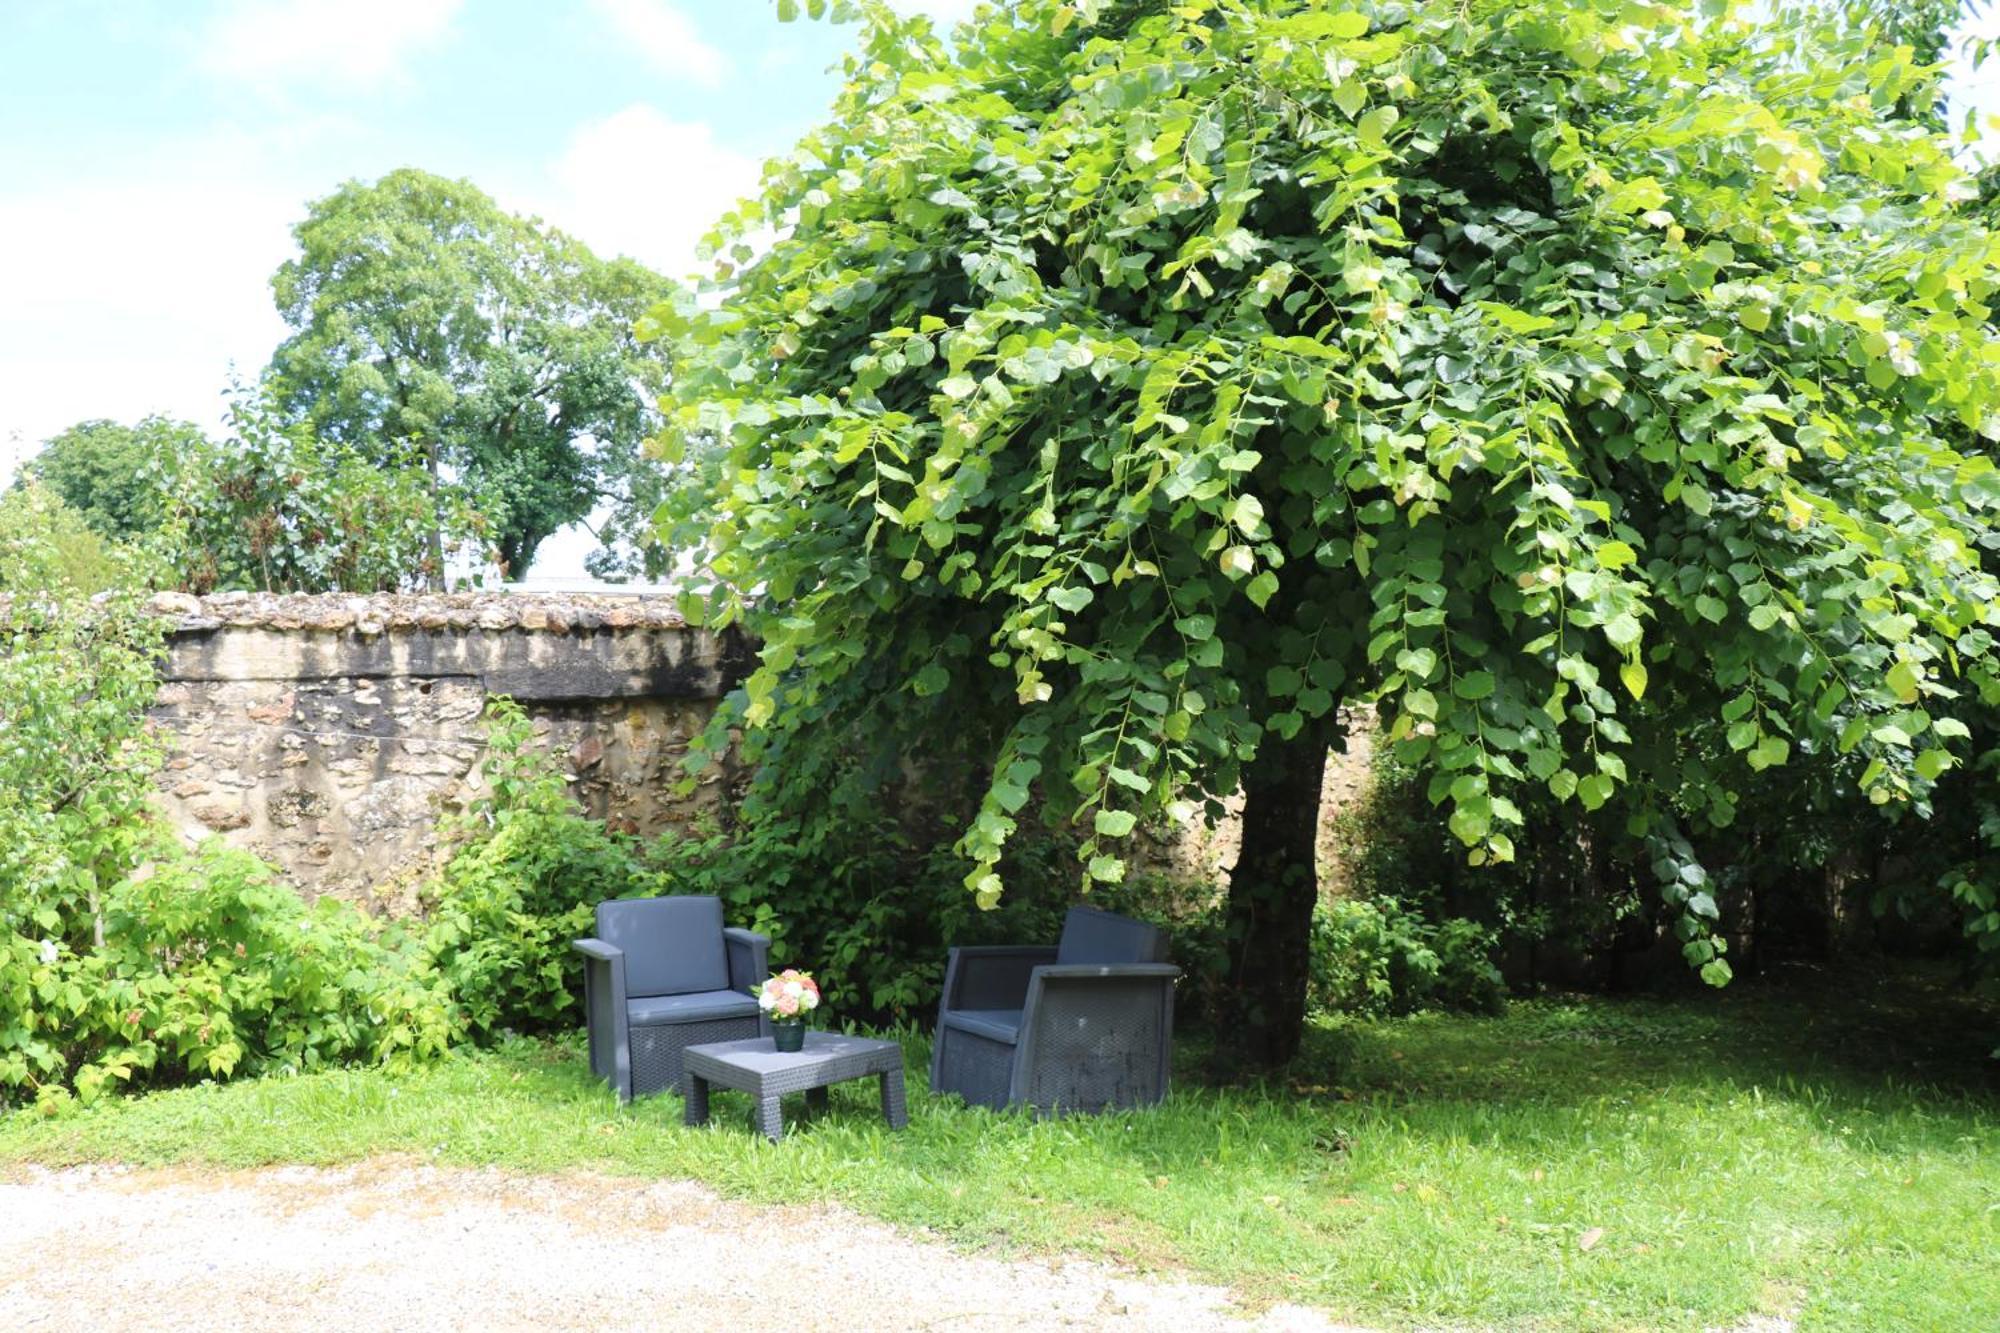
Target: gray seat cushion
(700, 1007)
(993, 1024)
(673, 946)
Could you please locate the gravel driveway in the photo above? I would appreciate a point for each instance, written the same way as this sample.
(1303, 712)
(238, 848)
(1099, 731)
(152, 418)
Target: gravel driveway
(392, 1245)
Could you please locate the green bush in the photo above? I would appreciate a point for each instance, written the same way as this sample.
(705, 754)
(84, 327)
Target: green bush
(44, 542)
(522, 883)
(208, 966)
(1375, 956)
(872, 915)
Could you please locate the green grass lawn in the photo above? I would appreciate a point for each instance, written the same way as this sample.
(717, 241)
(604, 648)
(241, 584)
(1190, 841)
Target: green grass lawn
(1573, 1164)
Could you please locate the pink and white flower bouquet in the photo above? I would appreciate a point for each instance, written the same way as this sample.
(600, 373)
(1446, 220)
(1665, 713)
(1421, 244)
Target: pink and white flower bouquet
(789, 996)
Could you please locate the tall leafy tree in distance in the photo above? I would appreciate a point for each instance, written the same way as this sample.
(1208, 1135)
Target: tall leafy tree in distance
(425, 315)
(1602, 390)
(118, 479)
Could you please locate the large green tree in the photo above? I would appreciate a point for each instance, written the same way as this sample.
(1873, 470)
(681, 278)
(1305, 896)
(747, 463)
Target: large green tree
(1603, 390)
(426, 316)
(119, 479)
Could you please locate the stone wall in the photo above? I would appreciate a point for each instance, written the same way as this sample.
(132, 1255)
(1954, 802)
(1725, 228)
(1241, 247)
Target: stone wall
(328, 734)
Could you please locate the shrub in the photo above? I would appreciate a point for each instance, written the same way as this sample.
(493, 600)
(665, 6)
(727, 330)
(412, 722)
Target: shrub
(1373, 955)
(44, 542)
(523, 881)
(209, 966)
(870, 910)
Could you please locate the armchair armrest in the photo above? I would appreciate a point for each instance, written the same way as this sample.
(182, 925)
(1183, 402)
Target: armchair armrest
(749, 957)
(604, 1013)
(992, 976)
(1095, 1035)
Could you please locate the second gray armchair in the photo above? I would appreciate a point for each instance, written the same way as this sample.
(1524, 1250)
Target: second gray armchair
(1085, 1025)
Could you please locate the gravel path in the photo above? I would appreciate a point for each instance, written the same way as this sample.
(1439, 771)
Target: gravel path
(392, 1245)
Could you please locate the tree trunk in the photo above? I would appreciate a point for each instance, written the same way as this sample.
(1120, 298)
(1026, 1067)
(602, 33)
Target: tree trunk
(1272, 892)
(437, 517)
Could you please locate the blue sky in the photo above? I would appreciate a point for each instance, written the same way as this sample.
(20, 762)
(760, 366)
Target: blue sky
(155, 153)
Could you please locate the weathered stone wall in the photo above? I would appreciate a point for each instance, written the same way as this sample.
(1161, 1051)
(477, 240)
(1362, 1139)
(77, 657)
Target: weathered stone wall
(328, 734)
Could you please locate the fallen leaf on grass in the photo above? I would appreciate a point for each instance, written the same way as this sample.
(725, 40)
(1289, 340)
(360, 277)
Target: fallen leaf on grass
(1588, 1240)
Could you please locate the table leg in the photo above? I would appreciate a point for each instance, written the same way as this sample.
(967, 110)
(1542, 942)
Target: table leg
(770, 1119)
(816, 1101)
(893, 1108)
(695, 1094)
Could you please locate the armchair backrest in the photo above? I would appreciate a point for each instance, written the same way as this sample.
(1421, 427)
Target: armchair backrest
(1093, 936)
(673, 946)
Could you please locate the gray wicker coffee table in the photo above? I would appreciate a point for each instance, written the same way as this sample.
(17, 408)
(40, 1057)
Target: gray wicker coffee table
(753, 1066)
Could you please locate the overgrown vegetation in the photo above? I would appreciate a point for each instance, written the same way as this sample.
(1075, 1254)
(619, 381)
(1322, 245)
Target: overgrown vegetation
(1607, 390)
(1825, 1151)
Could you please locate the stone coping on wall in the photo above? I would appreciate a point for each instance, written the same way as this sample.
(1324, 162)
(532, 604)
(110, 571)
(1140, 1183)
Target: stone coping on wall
(377, 613)
(546, 646)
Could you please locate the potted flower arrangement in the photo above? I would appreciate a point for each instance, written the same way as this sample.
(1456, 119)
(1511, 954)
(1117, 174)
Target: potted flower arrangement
(788, 997)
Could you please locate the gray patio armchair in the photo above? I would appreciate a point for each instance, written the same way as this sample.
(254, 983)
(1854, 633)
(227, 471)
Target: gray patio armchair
(1086, 1025)
(663, 974)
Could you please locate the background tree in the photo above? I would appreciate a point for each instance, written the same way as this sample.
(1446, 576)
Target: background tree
(276, 507)
(45, 543)
(116, 478)
(426, 317)
(1603, 391)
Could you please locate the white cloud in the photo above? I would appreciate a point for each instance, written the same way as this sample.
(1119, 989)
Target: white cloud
(665, 38)
(339, 43)
(139, 294)
(639, 184)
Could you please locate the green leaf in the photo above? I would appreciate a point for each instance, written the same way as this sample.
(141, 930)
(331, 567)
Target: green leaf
(1261, 589)
(1904, 680)
(1633, 674)
(1107, 869)
(1373, 128)
(1247, 513)
(1125, 777)
(1114, 823)
(1475, 685)
(1770, 751)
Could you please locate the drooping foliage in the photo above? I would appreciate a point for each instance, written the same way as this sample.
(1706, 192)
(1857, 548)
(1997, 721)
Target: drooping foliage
(1606, 390)
(428, 319)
